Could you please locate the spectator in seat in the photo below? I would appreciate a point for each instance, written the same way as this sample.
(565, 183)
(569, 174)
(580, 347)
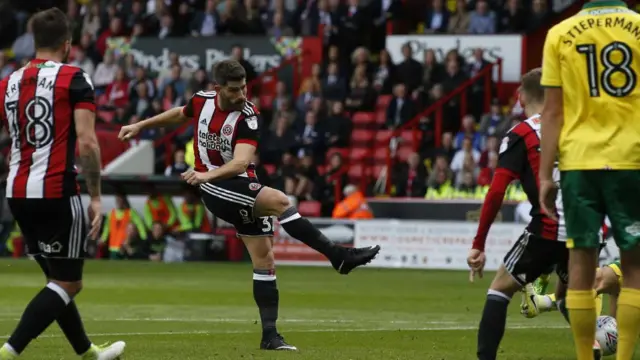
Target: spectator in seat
(401, 109)
(284, 110)
(354, 20)
(432, 74)
(334, 87)
(133, 248)
(6, 68)
(24, 46)
(237, 53)
(157, 242)
(334, 56)
(476, 95)
(453, 79)
(362, 57)
(469, 131)
(409, 71)
(313, 81)
(280, 140)
(159, 208)
(121, 117)
(83, 62)
(141, 77)
(446, 148)
(118, 90)
(91, 22)
(310, 137)
(169, 98)
(116, 229)
(538, 14)
(439, 186)
(182, 21)
(277, 6)
(207, 22)
(309, 90)
(494, 123)
(440, 164)
(306, 177)
(174, 81)
(486, 173)
(141, 102)
(466, 187)
(383, 74)
(166, 28)
(411, 178)
(513, 18)
(199, 81)
(353, 206)
(338, 127)
(462, 156)
(491, 146)
(115, 30)
(437, 18)
(284, 179)
(459, 21)
(152, 110)
(192, 213)
(470, 166)
(281, 95)
(178, 166)
(334, 176)
(361, 96)
(482, 20)
(279, 27)
(135, 16)
(105, 72)
(249, 16)
(261, 172)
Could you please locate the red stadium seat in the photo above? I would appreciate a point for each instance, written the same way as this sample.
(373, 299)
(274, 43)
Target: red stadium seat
(309, 208)
(381, 154)
(376, 169)
(361, 119)
(341, 151)
(383, 101)
(102, 100)
(358, 154)
(266, 101)
(408, 136)
(356, 172)
(270, 168)
(403, 152)
(381, 117)
(382, 137)
(106, 116)
(362, 136)
(321, 169)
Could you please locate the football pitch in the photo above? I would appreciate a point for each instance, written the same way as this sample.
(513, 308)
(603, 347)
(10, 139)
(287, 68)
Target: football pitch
(206, 311)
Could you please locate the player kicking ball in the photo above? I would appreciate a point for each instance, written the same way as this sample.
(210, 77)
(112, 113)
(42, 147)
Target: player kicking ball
(227, 129)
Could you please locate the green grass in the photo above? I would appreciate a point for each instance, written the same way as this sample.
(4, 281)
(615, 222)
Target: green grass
(206, 311)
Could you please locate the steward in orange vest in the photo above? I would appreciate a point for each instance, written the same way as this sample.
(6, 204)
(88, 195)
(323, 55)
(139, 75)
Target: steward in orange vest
(159, 208)
(353, 206)
(114, 232)
(193, 215)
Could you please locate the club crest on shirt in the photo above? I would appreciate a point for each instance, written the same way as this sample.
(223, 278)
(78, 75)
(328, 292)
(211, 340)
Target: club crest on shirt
(227, 130)
(254, 186)
(252, 122)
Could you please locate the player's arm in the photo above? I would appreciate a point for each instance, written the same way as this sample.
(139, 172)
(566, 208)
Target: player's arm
(82, 99)
(175, 116)
(510, 162)
(552, 113)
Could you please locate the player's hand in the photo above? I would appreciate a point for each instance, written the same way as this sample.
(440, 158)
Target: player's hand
(95, 216)
(548, 193)
(476, 260)
(128, 132)
(194, 178)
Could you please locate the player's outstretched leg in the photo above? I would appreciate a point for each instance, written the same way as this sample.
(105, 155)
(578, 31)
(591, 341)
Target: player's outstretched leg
(55, 301)
(271, 202)
(265, 291)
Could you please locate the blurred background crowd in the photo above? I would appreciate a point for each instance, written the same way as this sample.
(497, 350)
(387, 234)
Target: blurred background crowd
(314, 136)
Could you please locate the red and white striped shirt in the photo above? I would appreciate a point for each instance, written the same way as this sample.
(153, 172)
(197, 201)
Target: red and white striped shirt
(217, 132)
(36, 107)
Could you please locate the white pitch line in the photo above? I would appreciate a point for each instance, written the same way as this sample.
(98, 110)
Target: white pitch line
(434, 328)
(231, 320)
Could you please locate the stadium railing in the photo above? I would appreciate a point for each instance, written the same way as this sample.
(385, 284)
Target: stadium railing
(435, 111)
(265, 82)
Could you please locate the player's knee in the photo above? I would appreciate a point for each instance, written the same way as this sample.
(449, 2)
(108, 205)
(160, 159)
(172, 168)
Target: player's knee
(262, 257)
(272, 202)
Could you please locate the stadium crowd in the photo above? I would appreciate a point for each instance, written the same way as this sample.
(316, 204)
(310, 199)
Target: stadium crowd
(302, 125)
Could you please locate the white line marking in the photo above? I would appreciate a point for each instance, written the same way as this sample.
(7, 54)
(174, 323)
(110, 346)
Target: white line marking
(231, 320)
(434, 328)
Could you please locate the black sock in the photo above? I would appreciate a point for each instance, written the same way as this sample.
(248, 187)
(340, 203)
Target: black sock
(494, 319)
(265, 293)
(562, 307)
(72, 327)
(302, 229)
(39, 314)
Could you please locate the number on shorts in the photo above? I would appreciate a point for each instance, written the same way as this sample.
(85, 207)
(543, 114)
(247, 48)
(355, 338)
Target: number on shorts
(267, 225)
(622, 66)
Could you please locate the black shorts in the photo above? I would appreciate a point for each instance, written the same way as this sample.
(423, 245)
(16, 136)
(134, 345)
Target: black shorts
(532, 256)
(232, 200)
(54, 229)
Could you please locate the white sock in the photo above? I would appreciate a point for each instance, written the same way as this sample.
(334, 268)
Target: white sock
(10, 349)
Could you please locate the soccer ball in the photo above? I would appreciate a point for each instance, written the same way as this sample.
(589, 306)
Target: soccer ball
(607, 334)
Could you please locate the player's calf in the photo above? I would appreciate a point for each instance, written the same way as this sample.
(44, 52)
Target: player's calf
(271, 202)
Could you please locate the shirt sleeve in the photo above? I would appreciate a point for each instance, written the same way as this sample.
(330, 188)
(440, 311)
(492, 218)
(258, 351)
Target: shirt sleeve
(81, 93)
(512, 153)
(249, 130)
(551, 62)
(187, 110)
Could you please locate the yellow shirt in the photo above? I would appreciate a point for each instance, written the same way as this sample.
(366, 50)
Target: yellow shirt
(595, 57)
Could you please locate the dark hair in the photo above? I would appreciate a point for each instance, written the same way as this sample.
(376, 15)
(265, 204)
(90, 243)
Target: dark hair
(50, 29)
(228, 70)
(531, 85)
